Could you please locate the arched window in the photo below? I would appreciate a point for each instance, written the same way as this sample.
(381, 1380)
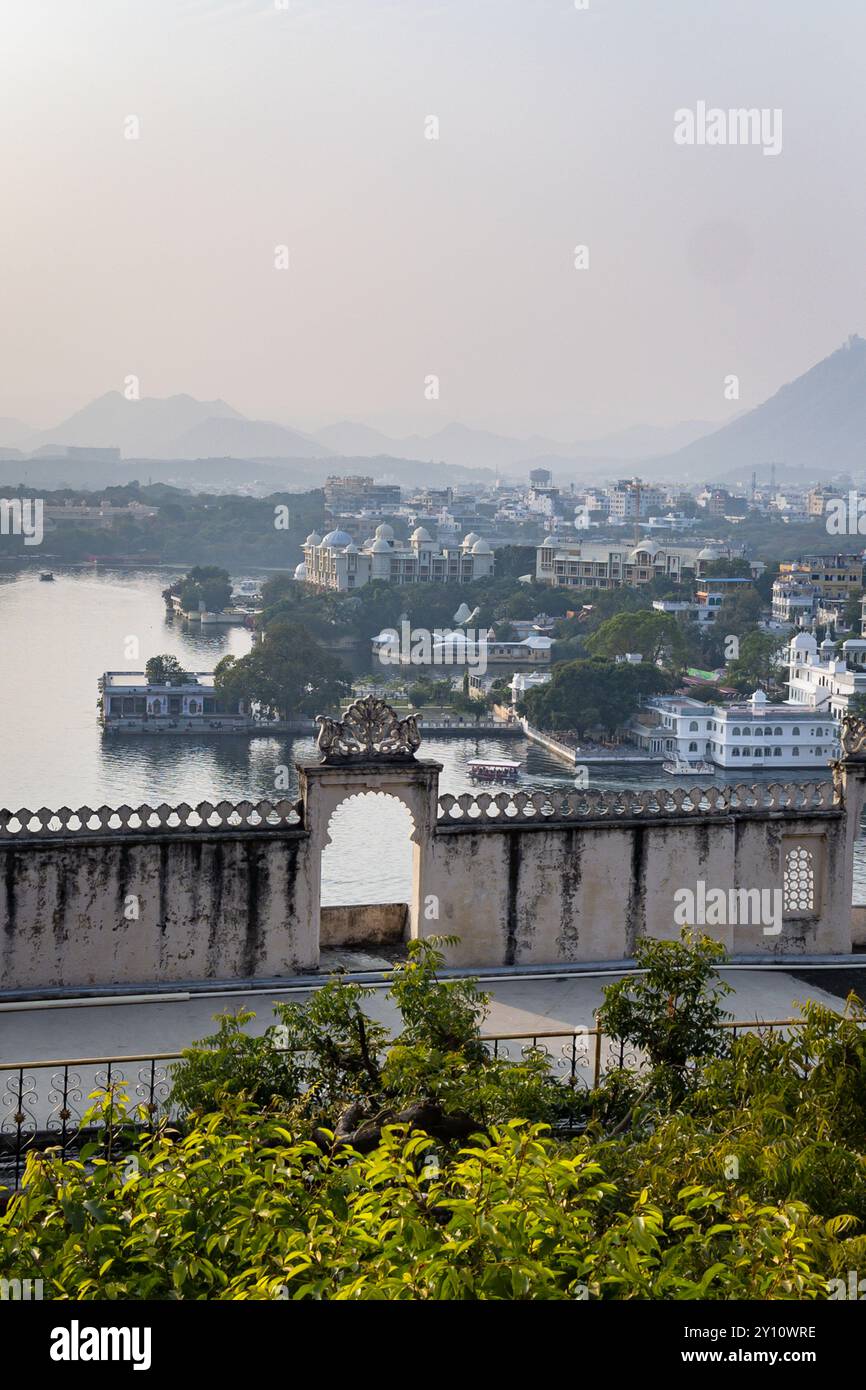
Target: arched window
(796, 732)
(746, 732)
(735, 752)
(693, 727)
(778, 731)
(795, 752)
(693, 747)
(736, 731)
(747, 752)
(798, 882)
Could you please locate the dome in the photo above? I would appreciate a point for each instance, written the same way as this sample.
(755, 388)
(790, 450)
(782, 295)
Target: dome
(759, 697)
(301, 571)
(804, 642)
(367, 543)
(313, 539)
(471, 538)
(481, 548)
(421, 536)
(337, 540)
(549, 540)
(384, 532)
(708, 553)
(380, 547)
(351, 549)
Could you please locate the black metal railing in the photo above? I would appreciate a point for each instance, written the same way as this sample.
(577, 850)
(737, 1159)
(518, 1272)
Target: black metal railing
(67, 1103)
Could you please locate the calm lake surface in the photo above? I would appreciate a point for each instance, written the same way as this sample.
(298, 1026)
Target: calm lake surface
(58, 638)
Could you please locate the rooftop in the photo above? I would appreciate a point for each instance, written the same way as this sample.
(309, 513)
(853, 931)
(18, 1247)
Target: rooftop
(137, 680)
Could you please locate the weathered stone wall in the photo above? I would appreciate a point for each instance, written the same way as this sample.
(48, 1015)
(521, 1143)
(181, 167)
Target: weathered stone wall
(130, 909)
(153, 896)
(541, 877)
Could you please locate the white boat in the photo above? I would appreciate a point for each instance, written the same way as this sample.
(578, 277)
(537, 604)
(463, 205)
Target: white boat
(677, 766)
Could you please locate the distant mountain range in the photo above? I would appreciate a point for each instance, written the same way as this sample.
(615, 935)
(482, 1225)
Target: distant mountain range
(458, 444)
(174, 427)
(181, 427)
(817, 423)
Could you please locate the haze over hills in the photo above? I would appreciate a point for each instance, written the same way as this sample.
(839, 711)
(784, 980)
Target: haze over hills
(162, 428)
(458, 444)
(816, 422)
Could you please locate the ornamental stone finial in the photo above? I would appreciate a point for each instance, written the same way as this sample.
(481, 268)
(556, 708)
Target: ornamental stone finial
(370, 731)
(853, 737)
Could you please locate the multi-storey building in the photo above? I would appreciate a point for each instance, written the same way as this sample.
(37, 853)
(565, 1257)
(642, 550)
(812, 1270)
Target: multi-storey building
(793, 602)
(832, 576)
(818, 497)
(354, 494)
(631, 499)
(715, 500)
(710, 597)
(752, 734)
(334, 561)
(584, 564)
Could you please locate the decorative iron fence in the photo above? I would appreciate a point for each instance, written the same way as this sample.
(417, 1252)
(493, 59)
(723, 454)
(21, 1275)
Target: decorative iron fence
(43, 1104)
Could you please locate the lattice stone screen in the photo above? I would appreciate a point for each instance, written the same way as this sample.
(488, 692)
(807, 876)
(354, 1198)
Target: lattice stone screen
(798, 883)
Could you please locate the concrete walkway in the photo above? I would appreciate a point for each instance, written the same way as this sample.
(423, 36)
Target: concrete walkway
(521, 1004)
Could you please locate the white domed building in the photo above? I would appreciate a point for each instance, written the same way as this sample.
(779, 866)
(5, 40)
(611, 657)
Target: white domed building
(335, 562)
(823, 681)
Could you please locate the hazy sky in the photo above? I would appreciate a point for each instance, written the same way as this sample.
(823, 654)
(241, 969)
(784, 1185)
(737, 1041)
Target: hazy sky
(304, 126)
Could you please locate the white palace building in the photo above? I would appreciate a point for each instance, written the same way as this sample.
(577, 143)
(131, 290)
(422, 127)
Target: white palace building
(333, 561)
(801, 733)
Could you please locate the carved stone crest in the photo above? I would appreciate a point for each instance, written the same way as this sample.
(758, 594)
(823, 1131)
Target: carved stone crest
(853, 737)
(370, 730)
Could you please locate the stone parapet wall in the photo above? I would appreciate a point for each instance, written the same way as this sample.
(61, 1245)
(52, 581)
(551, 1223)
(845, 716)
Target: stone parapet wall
(552, 805)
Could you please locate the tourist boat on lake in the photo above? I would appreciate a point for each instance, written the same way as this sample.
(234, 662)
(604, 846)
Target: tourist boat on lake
(493, 770)
(677, 766)
(46, 577)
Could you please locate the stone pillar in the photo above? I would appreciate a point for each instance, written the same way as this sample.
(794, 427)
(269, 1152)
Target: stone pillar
(849, 779)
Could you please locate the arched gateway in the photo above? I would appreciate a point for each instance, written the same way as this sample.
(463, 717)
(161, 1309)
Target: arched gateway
(370, 750)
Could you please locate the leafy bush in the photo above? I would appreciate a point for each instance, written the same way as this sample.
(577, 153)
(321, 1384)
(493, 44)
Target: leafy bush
(321, 1160)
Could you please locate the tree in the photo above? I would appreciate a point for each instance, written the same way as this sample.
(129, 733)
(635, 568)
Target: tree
(286, 673)
(732, 567)
(671, 1011)
(852, 612)
(160, 669)
(652, 634)
(709, 694)
(207, 584)
(760, 661)
(584, 694)
(421, 693)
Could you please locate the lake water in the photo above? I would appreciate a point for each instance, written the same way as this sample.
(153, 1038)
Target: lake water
(58, 638)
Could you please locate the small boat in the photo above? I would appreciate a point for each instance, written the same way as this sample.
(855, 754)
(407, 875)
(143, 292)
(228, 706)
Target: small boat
(46, 577)
(493, 770)
(680, 767)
